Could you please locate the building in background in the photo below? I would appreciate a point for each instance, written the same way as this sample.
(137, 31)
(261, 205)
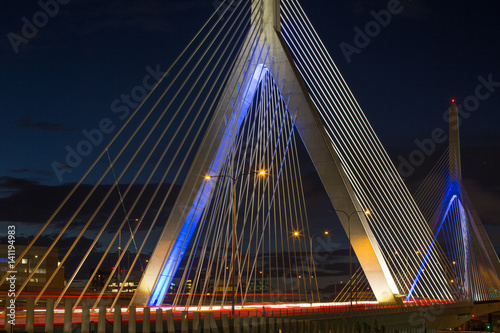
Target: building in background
(28, 263)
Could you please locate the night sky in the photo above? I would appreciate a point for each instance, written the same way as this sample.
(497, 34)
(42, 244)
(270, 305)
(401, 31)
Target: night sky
(64, 78)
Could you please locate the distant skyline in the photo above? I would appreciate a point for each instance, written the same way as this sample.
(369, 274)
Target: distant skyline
(70, 77)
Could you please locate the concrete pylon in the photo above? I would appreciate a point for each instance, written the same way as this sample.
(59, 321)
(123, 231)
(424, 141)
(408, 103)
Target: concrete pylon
(146, 320)
(49, 316)
(454, 142)
(274, 56)
(455, 165)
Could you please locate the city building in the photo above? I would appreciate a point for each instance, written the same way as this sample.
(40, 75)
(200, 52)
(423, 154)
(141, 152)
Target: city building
(28, 263)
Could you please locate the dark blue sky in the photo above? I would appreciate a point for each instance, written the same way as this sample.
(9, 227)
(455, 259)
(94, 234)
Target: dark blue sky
(65, 78)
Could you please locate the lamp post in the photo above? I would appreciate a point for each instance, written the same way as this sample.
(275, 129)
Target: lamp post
(366, 212)
(235, 182)
(297, 234)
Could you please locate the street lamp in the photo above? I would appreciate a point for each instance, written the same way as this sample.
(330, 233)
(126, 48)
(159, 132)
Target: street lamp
(235, 182)
(297, 234)
(366, 212)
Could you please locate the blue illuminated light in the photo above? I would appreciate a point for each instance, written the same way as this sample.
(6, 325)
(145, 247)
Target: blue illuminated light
(410, 292)
(202, 198)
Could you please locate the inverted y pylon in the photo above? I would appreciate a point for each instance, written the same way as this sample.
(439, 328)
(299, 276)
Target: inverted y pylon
(270, 53)
(470, 255)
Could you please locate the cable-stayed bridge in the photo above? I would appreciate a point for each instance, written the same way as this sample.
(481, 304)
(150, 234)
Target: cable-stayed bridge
(208, 170)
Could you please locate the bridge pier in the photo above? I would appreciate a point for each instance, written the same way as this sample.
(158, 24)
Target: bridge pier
(196, 322)
(49, 316)
(132, 319)
(117, 319)
(279, 325)
(85, 328)
(307, 326)
(159, 321)
(271, 327)
(246, 326)
(225, 323)
(185, 322)
(170, 321)
(30, 315)
(68, 315)
(146, 320)
(263, 324)
(300, 326)
(101, 321)
(237, 324)
(255, 324)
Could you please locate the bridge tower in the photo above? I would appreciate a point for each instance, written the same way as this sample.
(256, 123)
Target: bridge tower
(455, 166)
(165, 258)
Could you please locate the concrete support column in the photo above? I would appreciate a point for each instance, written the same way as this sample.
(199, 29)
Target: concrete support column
(263, 324)
(246, 325)
(117, 319)
(132, 319)
(101, 321)
(185, 322)
(206, 323)
(146, 320)
(159, 321)
(49, 316)
(7, 326)
(196, 322)
(300, 326)
(270, 327)
(237, 324)
(225, 323)
(279, 325)
(213, 324)
(286, 325)
(255, 324)
(30, 315)
(170, 321)
(307, 326)
(85, 317)
(314, 326)
(68, 315)
(324, 326)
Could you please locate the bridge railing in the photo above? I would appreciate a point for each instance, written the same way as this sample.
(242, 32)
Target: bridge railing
(28, 316)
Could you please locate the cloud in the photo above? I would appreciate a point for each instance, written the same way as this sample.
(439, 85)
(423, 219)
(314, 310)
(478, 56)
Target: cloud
(28, 123)
(15, 183)
(27, 201)
(34, 171)
(11, 185)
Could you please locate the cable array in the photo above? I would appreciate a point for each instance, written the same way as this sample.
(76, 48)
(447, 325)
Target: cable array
(125, 195)
(251, 240)
(440, 198)
(270, 262)
(404, 236)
